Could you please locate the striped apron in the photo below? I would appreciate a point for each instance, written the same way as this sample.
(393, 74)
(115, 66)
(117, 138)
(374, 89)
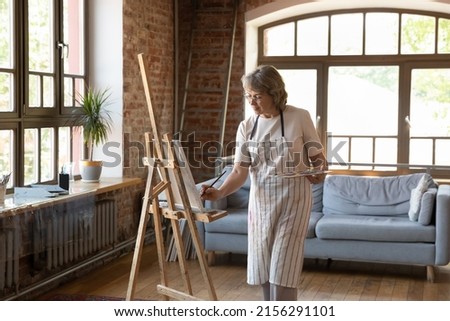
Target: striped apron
(279, 211)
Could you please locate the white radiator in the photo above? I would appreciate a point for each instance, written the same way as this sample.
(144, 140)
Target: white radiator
(79, 232)
(9, 257)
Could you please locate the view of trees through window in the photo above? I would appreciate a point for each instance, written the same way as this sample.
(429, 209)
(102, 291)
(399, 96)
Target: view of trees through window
(380, 79)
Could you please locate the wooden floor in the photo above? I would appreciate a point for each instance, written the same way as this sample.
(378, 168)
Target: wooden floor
(340, 281)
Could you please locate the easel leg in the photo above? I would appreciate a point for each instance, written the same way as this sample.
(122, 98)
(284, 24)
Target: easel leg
(160, 244)
(178, 238)
(201, 258)
(139, 242)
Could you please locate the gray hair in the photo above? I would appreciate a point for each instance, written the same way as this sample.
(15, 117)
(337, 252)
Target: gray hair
(267, 79)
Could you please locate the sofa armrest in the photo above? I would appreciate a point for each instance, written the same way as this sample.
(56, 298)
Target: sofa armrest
(443, 225)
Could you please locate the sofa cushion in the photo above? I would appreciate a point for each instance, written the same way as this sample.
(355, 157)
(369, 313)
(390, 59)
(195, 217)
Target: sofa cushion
(314, 218)
(361, 195)
(427, 206)
(235, 222)
(374, 228)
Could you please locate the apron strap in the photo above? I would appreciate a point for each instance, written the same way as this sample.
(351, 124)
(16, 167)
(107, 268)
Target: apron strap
(254, 128)
(282, 123)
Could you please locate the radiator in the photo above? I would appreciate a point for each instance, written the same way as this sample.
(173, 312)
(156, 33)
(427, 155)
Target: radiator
(9, 258)
(74, 231)
(60, 236)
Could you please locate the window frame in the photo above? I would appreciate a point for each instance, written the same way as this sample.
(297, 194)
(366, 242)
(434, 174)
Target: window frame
(405, 62)
(24, 117)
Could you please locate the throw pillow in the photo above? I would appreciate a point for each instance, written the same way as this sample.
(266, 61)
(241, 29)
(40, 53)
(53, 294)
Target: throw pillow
(416, 197)
(414, 204)
(427, 206)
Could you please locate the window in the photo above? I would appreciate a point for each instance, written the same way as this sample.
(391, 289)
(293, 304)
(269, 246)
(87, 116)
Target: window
(42, 68)
(375, 81)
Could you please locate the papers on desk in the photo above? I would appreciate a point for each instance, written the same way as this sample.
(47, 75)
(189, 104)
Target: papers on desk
(54, 189)
(39, 191)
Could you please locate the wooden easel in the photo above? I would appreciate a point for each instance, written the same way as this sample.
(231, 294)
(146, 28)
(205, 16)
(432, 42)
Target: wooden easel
(163, 157)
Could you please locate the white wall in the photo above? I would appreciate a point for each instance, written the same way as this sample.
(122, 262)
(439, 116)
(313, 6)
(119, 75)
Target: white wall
(106, 64)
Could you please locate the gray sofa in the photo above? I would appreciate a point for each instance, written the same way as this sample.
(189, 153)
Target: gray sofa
(354, 218)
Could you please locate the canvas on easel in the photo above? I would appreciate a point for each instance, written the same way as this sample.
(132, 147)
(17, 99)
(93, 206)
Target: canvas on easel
(195, 201)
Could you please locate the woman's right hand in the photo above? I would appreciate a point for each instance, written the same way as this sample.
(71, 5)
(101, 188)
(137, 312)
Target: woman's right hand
(208, 193)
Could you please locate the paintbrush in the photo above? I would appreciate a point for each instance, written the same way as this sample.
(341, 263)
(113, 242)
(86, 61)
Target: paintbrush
(216, 180)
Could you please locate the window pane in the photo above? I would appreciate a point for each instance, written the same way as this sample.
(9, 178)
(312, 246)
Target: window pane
(442, 154)
(74, 36)
(6, 22)
(70, 92)
(6, 154)
(417, 34)
(40, 33)
(48, 92)
(360, 99)
(341, 153)
(77, 149)
(47, 154)
(312, 36)
(41, 46)
(444, 36)
(63, 146)
(430, 102)
(279, 40)
(347, 34)
(387, 154)
(361, 152)
(31, 156)
(421, 152)
(381, 33)
(430, 116)
(34, 91)
(301, 86)
(6, 92)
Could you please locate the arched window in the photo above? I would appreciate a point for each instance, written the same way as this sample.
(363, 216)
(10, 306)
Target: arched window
(376, 82)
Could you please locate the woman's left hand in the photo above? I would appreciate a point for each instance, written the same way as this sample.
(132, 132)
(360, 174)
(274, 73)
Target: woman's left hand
(319, 163)
(316, 179)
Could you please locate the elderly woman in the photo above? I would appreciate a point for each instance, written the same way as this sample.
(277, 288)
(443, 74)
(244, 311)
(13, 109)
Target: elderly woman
(276, 142)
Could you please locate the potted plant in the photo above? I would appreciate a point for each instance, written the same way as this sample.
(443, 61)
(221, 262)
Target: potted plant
(96, 122)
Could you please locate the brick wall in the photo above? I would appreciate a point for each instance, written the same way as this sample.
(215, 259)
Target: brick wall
(149, 29)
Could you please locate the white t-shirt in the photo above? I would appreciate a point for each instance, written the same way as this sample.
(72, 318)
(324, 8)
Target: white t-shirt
(299, 133)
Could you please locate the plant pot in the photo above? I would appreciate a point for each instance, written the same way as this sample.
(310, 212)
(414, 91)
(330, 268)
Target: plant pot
(90, 171)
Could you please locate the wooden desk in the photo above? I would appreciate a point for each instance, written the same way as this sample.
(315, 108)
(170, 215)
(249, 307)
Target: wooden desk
(77, 189)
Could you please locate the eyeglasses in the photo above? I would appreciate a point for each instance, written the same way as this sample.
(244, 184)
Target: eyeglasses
(251, 98)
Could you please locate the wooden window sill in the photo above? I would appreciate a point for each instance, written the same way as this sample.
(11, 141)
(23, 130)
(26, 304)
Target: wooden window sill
(77, 189)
